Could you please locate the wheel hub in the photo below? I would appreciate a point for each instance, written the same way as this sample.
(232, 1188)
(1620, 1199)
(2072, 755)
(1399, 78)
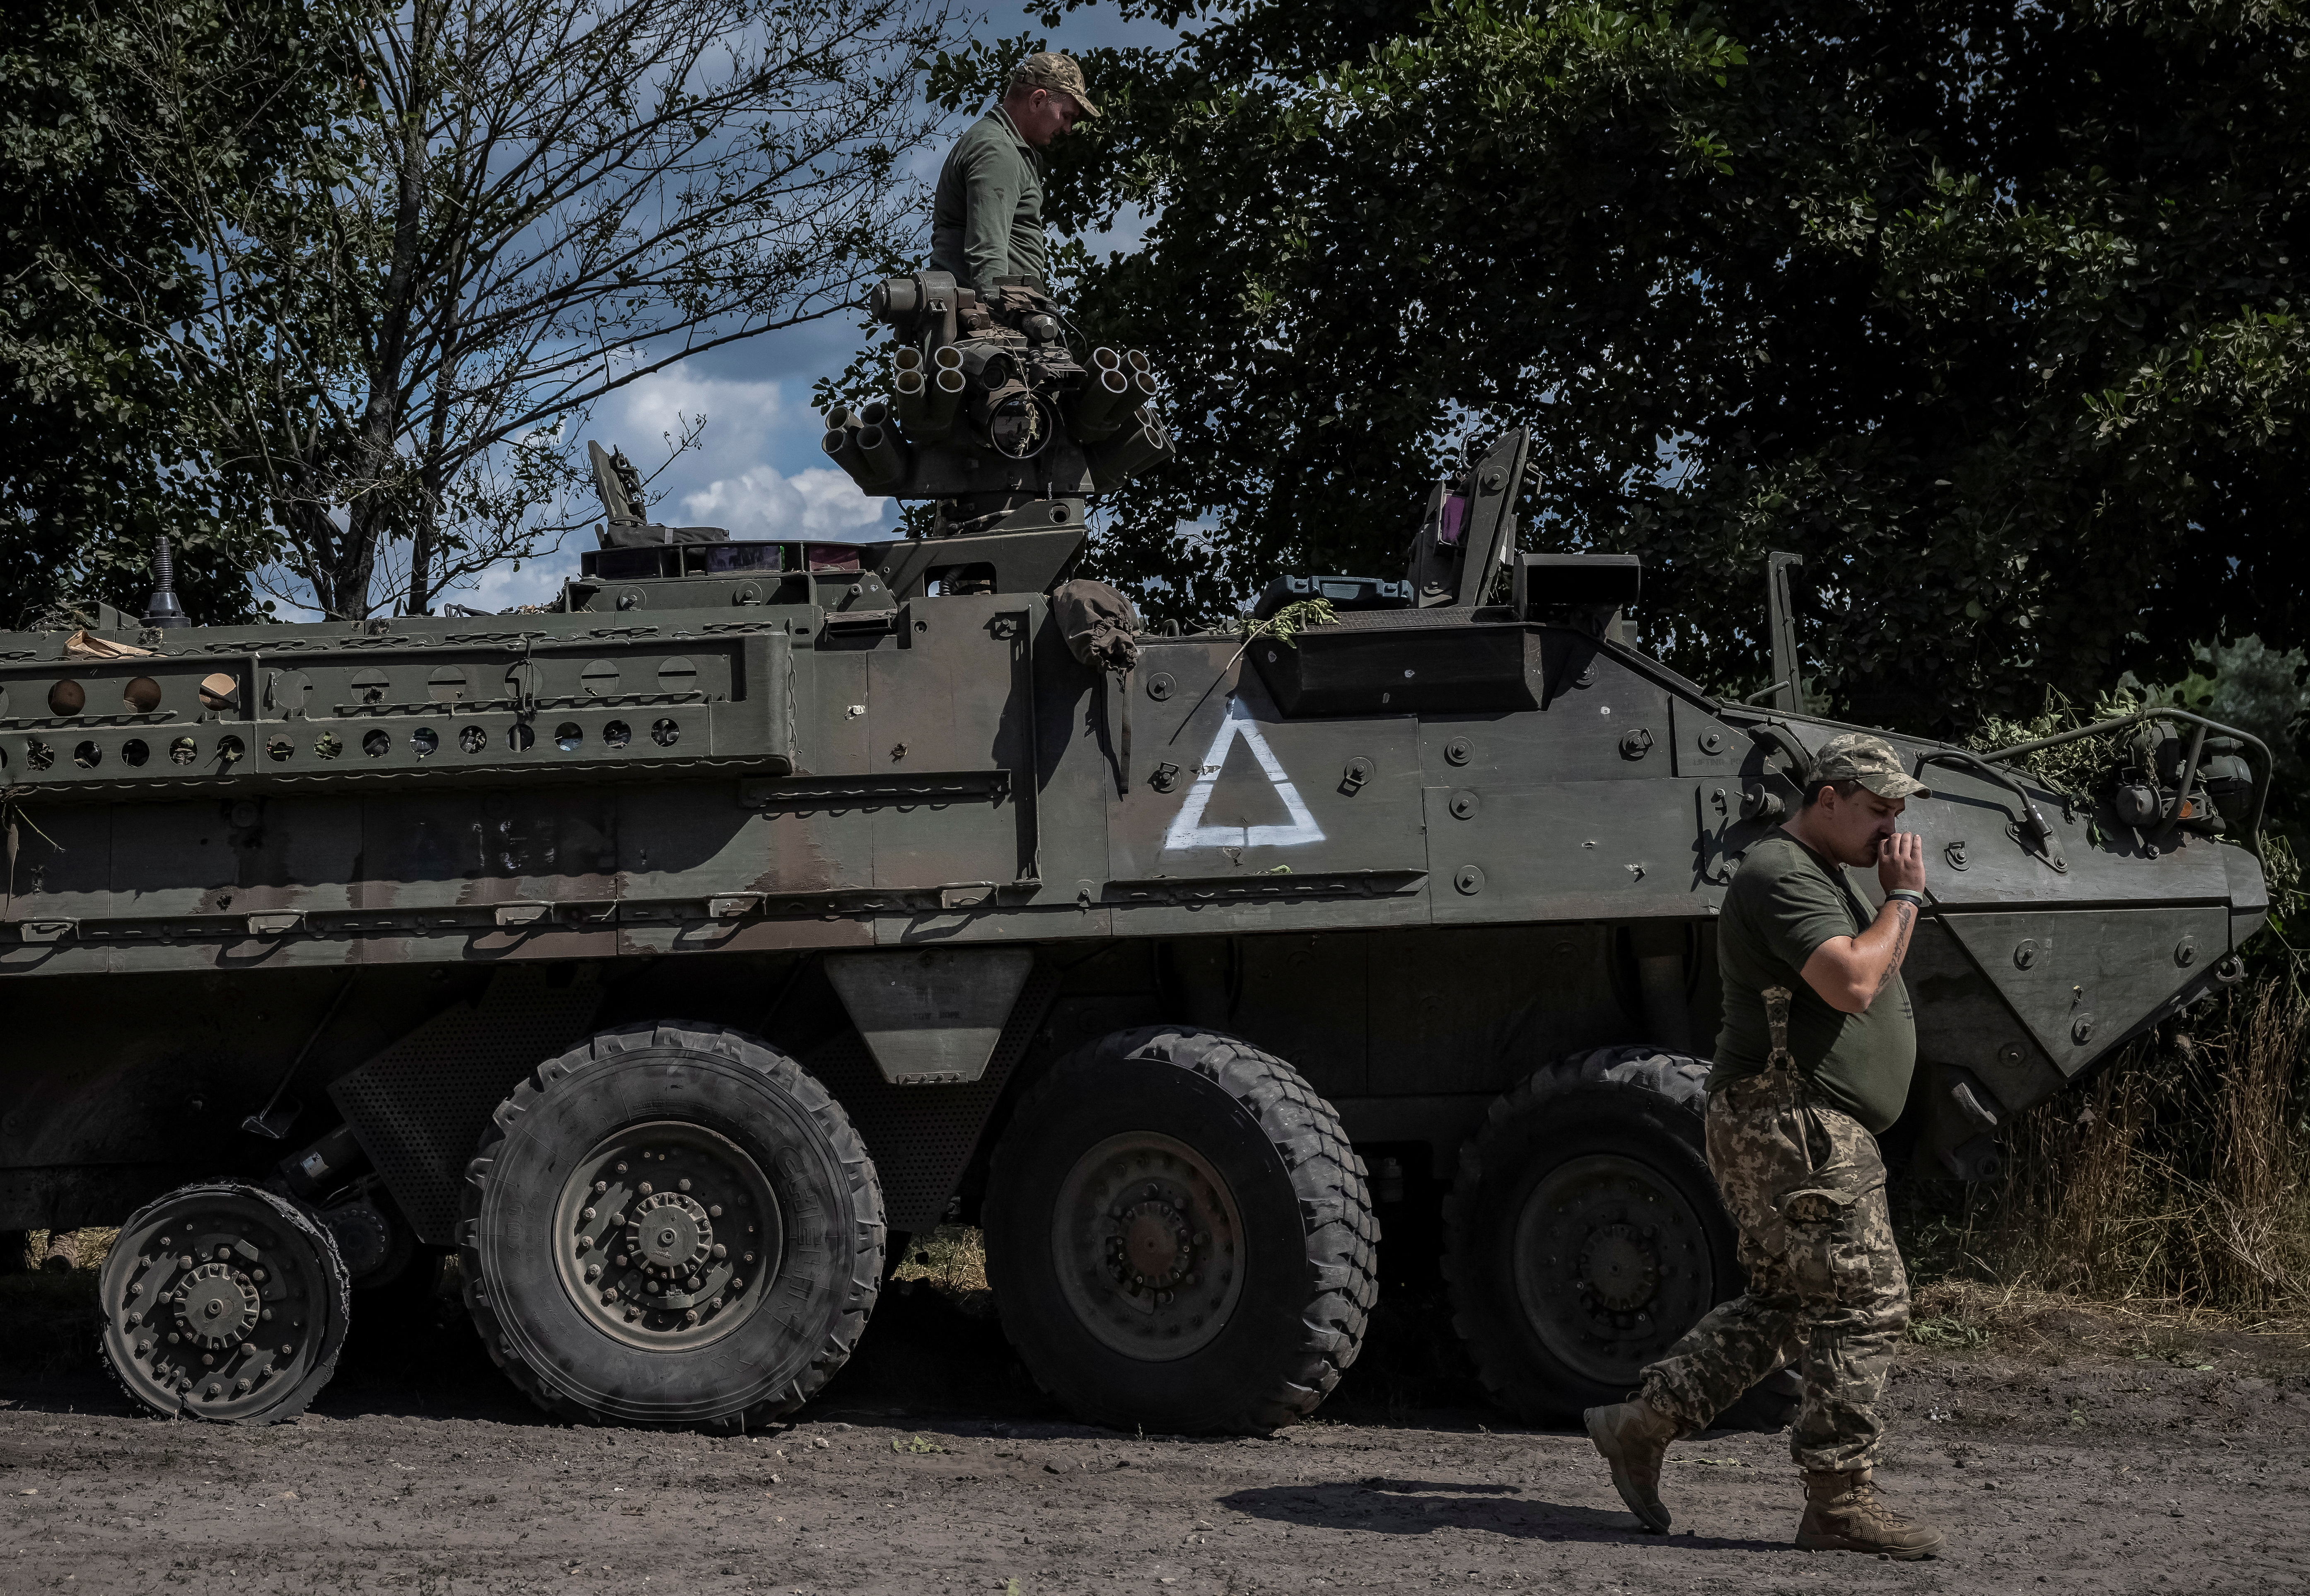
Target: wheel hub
(1610, 1264)
(1617, 1268)
(216, 1306)
(667, 1236)
(670, 1232)
(1147, 1240)
(1154, 1245)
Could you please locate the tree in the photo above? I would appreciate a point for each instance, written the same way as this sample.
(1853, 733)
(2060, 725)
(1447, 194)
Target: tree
(99, 452)
(529, 205)
(1991, 312)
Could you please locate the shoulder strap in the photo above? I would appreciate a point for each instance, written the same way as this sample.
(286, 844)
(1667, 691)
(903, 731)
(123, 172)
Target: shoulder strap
(1776, 1021)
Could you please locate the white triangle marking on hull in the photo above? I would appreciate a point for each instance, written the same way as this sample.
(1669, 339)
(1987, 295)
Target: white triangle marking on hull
(1188, 830)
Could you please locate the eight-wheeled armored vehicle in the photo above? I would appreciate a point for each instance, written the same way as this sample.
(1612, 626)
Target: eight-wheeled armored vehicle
(668, 954)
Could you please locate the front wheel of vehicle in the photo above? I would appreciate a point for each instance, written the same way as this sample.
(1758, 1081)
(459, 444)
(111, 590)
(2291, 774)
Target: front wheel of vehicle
(223, 1302)
(1180, 1236)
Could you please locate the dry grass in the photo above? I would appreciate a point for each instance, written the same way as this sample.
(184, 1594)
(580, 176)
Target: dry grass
(2174, 1187)
(83, 1249)
(951, 1259)
(1956, 1315)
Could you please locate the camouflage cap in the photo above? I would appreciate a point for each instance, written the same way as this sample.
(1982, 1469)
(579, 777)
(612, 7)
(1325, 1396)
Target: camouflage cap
(1856, 756)
(1057, 73)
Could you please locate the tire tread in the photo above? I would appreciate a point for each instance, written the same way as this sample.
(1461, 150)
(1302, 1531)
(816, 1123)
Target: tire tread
(841, 1339)
(1680, 1084)
(1328, 1177)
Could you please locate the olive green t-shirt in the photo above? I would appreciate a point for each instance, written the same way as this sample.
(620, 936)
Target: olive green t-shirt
(1784, 902)
(986, 214)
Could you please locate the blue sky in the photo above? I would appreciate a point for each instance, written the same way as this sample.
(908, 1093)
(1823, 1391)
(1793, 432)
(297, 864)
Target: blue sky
(756, 468)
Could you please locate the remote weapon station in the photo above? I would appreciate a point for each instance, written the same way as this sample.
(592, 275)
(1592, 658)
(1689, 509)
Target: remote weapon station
(668, 956)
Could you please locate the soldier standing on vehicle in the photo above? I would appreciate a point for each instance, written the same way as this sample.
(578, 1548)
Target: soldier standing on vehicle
(1814, 1059)
(987, 220)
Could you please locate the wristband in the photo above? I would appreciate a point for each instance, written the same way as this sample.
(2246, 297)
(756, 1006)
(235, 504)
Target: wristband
(1908, 895)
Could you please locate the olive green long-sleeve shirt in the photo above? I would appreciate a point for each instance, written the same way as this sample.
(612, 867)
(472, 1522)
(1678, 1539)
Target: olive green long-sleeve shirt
(987, 221)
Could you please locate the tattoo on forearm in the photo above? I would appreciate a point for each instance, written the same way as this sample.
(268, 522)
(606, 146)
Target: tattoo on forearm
(1905, 912)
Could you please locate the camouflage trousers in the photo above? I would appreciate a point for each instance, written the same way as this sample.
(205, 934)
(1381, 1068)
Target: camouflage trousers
(1806, 1185)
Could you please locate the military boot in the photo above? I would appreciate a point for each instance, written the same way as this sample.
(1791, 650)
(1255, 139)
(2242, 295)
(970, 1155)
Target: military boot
(1845, 1513)
(1634, 1438)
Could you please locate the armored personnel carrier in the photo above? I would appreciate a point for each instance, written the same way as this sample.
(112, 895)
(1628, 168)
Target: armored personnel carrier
(671, 954)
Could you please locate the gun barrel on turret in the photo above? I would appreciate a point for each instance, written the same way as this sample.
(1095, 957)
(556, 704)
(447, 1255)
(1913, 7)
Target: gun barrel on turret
(1144, 442)
(841, 446)
(881, 456)
(941, 398)
(1098, 409)
(908, 406)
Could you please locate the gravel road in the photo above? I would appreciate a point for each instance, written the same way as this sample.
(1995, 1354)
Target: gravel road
(418, 1471)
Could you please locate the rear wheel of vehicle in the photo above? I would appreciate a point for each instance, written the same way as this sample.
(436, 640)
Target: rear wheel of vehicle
(223, 1302)
(1584, 1233)
(1180, 1236)
(634, 1209)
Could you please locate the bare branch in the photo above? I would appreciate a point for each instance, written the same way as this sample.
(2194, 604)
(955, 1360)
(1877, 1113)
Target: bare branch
(540, 205)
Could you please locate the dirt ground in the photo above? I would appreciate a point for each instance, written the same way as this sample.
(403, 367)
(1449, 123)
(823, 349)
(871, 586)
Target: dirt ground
(2060, 1460)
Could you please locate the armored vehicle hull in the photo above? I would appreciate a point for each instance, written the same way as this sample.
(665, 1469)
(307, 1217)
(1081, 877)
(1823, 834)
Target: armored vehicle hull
(667, 955)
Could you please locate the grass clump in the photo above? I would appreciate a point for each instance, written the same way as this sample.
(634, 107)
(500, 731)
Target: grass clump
(70, 1249)
(2183, 1173)
(1948, 1330)
(2180, 1175)
(951, 1260)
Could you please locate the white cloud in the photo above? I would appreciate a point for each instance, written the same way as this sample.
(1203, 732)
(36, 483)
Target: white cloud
(726, 478)
(537, 582)
(741, 418)
(761, 503)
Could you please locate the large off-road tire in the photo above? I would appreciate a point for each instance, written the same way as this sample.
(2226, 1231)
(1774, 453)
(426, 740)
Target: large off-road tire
(223, 1302)
(1584, 1233)
(1180, 1236)
(698, 1174)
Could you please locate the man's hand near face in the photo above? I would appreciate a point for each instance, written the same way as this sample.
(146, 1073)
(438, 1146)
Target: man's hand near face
(1849, 972)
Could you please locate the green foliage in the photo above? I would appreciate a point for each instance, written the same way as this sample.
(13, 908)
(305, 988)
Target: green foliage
(1946, 1331)
(1991, 312)
(2257, 689)
(1287, 622)
(101, 442)
(334, 284)
(2081, 767)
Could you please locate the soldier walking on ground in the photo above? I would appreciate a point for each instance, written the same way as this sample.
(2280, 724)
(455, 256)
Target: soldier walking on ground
(1814, 1059)
(987, 220)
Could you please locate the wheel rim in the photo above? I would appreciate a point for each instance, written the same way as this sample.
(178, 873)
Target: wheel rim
(227, 1309)
(1148, 1243)
(1612, 1264)
(667, 1236)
